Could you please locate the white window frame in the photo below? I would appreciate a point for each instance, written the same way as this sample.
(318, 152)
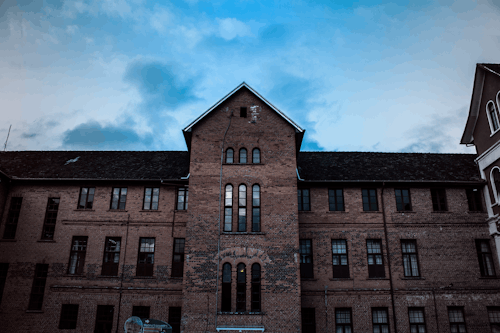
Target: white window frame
(493, 186)
(493, 131)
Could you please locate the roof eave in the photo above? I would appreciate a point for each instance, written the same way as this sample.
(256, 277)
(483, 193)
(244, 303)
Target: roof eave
(477, 91)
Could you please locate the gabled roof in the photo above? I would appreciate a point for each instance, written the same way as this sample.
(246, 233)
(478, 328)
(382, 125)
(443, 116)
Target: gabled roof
(477, 92)
(99, 165)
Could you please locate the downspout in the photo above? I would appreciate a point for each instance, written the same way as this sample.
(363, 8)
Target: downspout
(388, 260)
(122, 275)
(218, 231)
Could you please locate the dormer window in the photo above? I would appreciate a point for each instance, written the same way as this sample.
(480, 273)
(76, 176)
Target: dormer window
(492, 116)
(243, 112)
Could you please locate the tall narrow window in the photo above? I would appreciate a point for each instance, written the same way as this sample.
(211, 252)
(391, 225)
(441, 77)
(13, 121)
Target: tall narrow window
(146, 257)
(343, 320)
(494, 316)
(182, 198)
(86, 199)
(403, 202)
(12, 218)
(410, 260)
(243, 155)
(77, 255)
(417, 320)
(69, 316)
(336, 200)
(303, 199)
(174, 318)
(474, 199)
(241, 288)
(226, 287)
(243, 112)
(4, 267)
(104, 319)
(495, 183)
(457, 320)
(151, 198)
(242, 208)
(375, 261)
(306, 258)
(485, 258)
(255, 306)
(492, 116)
(369, 199)
(49, 224)
(256, 208)
(439, 199)
(308, 320)
(178, 258)
(340, 263)
(119, 198)
(380, 320)
(38, 287)
(256, 155)
(228, 208)
(142, 312)
(111, 258)
(229, 155)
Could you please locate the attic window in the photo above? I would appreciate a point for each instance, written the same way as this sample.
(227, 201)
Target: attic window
(243, 112)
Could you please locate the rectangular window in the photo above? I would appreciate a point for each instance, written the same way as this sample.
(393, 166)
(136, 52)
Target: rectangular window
(111, 258)
(151, 197)
(118, 198)
(417, 320)
(457, 321)
(308, 320)
(77, 255)
(380, 320)
(340, 263)
(369, 200)
(145, 259)
(38, 287)
(104, 319)
(86, 199)
(69, 316)
(243, 112)
(4, 267)
(375, 259)
(343, 320)
(12, 218)
(474, 199)
(410, 258)
(182, 198)
(255, 208)
(141, 311)
(439, 199)
(49, 224)
(485, 257)
(306, 258)
(303, 199)
(178, 257)
(336, 199)
(494, 315)
(174, 318)
(403, 201)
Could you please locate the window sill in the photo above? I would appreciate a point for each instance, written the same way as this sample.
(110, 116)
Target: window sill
(341, 279)
(34, 311)
(336, 212)
(305, 211)
(372, 211)
(240, 313)
(75, 275)
(84, 210)
(176, 278)
(406, 212)
(378, 278)
(440, 211)
(489, 278)
(242, 233)
(108, 276)
(242, 163)
(495, 132)
(180, 210)
(8, 240)
(117, 210)
(308, 279)
(46, 241)
(145, 277)
(150, 210)
(412, 278)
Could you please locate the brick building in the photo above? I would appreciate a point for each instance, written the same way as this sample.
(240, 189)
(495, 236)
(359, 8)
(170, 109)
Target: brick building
(243, 232)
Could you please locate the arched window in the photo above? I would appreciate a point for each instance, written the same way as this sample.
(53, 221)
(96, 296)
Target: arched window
(256, 155)
(228, 208)
(226, 287)
(243, 155)
(256, 208)
(498, 100)
(241, 288)
(242, 208)
(492, 116)
(495, 183)
(229, 155)
(255, 306)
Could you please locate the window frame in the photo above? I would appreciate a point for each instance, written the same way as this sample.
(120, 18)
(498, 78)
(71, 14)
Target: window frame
(300, 199)
(333, 200)
(308, 326)
(243, 112)
(380, 324)
(13, 218)
(340, 272)
(256, 300)
(256, 210)
(256, 156)
(457, 323)
(87, 198)
(417, 325)
(50, 220)
(494, 317)
(242, 208)
(229, 159)
(413, 264)
(495, 183)
(367, 200)
(375, 271)
(485, 258)
(491, 122)
(439, 199)
(38, 287)
(306, 268)
(241, 287)
(227, 281)
(174, 318)
(403, 206)
(118, 202)
(111, 268)
(241, 156)
(178, 250)
(474, 199)
(69, 316)
(343, 325)
(228, 208)
(4, 269)
(145, 268)
(104, 318)
(78, 252)
(151, 197)
(182, 192)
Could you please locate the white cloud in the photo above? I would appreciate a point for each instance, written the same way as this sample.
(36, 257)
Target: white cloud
(72, 29)
(231, 28)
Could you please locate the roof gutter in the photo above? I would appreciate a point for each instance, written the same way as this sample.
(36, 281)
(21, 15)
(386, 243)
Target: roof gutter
(397, 181)
(182, 179)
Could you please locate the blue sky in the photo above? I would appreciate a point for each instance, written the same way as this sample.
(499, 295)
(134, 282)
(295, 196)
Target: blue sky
(130, 74)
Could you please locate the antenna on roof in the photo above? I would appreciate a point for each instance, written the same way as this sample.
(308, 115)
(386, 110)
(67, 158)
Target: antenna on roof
(5, 145)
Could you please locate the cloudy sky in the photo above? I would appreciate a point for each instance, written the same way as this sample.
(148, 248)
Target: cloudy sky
(130, 74)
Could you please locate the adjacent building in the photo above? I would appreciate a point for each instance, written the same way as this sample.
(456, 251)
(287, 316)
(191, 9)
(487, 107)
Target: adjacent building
(244, 232)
